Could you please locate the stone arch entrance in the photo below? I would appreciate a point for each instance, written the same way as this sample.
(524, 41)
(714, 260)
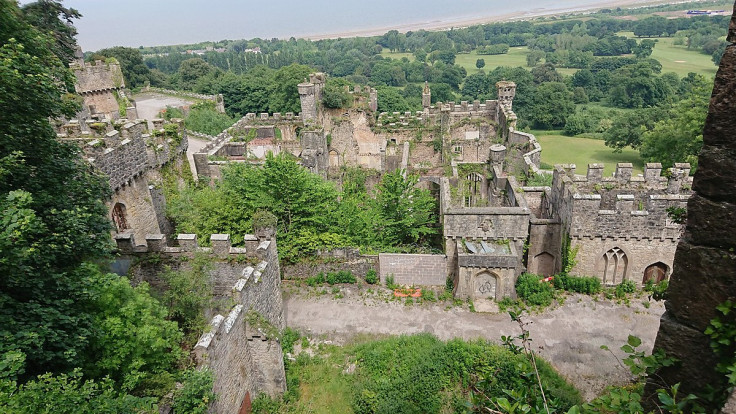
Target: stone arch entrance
(485, 285)
(120, 217)
(656, 272)
(615, 265)
(545, 264)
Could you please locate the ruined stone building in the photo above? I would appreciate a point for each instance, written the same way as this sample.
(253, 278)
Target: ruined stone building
(243, 353)
(470, 154)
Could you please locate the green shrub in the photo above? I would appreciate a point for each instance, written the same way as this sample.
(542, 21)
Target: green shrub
(586, 285)
(289, 338)
(195, 394)
(533, 291)
(627, 286)
(371, 277)
(390, 283)
(428, 295)
(331, 278)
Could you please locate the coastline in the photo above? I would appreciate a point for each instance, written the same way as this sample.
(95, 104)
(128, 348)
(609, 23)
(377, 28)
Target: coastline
(462, 22)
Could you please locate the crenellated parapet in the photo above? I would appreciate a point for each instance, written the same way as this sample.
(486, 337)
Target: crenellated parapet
(622, 206)
(98, 76)
(126, 149)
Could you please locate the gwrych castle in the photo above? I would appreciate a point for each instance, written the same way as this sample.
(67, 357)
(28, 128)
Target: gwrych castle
(470, 155)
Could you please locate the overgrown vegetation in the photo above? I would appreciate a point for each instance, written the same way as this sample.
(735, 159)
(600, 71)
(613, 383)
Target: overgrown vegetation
(415, 374)
(331, 278)
(311, 214)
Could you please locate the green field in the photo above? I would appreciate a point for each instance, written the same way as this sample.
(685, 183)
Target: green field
(515, 57)
(680, 59)
(560, 149)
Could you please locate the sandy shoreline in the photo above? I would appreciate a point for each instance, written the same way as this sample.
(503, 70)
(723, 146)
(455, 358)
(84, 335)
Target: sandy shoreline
(465, 22)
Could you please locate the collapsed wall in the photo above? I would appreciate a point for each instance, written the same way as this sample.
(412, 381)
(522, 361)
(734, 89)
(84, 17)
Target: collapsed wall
(241, 344)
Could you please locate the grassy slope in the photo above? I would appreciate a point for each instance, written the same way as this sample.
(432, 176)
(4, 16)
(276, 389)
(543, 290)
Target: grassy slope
(680, 59)
(560, 149)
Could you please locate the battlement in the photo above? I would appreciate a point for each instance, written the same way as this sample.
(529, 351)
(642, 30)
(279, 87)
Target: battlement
(622, 205)
(100, 76)
(125, 149)
(264, 117)
(220, 246)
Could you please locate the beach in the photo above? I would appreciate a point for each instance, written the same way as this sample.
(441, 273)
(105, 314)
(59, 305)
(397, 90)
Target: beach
(446, 24)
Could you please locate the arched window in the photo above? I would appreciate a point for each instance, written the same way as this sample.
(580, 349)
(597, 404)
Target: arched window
(334, 159)
(119, 217)
(615, 265)
(656, 272)
(474, 182)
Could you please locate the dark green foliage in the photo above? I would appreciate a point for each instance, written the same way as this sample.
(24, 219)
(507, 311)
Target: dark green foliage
(195, 394)
(371, 277)
(205, 119)
(657, 291)
(413, 374)
(69, 394)
(188, 293)
(334, 95)
(624, 288)
(586, 285)
(51, 209)
(52, 18)
(331, 278)
(533, 291)
(552, 105)
(288, 339)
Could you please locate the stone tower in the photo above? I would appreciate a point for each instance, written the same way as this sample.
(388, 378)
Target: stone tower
(506, 92)
(426, 96)
(307, 96)
(318, 80)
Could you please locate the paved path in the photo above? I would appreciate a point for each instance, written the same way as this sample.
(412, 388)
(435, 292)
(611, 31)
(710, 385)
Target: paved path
(568, 336)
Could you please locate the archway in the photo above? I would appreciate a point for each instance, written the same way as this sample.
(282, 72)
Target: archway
(120, 217)
(656, 272)
(615, 265)
(544, 264)
(485, 285)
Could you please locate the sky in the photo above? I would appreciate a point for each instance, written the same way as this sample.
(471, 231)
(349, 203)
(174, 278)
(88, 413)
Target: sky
(164, 22)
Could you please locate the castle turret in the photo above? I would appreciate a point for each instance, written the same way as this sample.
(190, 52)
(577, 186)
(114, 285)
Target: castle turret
(506, 93)
(426, 96)
(307, 92)
(318, 80)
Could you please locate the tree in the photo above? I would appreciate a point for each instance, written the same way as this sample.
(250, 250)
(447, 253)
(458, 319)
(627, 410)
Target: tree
(627, 128)
(284, 92)
(480, 63)
(51, 206)
(678, 137)
(192, 70)
(406, 211)
(55, 20)
(552, 105)
(136, 72)
(644, 49)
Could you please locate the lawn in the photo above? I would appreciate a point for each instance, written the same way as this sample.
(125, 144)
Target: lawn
(560, 149)
(680, 59)
(515, 57)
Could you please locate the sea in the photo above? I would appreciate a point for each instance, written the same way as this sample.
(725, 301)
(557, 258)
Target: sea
(136, 23)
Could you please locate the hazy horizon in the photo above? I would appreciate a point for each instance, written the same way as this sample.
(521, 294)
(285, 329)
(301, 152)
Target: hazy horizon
(164, 22)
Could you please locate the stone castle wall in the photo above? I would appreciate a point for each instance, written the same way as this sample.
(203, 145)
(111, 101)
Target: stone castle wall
(244, 360)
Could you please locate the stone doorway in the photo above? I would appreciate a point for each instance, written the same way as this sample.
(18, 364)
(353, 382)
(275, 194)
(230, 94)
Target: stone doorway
(545, 264)
(656, 272)
(485, 285)
(119, 217)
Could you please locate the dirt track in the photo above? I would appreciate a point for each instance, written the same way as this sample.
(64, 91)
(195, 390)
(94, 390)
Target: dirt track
(569, 336)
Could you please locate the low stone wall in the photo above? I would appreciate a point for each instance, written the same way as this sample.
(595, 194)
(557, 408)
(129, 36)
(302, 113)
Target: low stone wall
(414, 269)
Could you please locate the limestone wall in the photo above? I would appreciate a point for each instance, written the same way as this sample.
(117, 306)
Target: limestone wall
(414, 269)
(243, 357)
(97, 77)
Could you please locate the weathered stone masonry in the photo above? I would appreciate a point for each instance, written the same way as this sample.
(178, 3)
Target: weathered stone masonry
(244, 360)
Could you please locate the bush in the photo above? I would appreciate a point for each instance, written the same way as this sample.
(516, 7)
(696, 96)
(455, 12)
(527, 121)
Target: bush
(533, 291)
(586, 285)
(195, 395)
(657, 291)
(428, 295)
(390, 283)
(371, 277)
(331, 278)
(627, 286)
